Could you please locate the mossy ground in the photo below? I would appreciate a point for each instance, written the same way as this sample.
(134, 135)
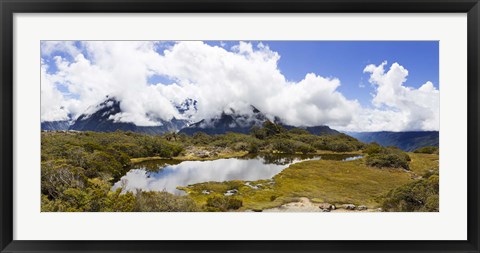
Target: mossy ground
(335, 182)
(191, 157)
(423, 163)
(228, 154)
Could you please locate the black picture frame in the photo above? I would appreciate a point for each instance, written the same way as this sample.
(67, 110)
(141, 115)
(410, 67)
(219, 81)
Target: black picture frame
(10, 7)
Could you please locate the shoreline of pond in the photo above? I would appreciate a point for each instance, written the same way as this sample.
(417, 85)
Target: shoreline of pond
(236, 154)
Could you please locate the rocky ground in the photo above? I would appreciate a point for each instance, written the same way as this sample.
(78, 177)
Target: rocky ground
(208, 153)
(305, 205)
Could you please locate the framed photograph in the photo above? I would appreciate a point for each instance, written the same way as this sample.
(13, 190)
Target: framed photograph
(183, 126)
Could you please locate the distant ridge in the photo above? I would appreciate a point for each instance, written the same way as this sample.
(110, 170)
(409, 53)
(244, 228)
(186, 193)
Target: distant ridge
(99, 119)
(55, 125)
(231, 121)
(407, 141)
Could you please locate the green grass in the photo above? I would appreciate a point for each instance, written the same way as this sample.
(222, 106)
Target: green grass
(229, 154)
(329, 181)
(222, 155)
(423, 163)
(105, 157)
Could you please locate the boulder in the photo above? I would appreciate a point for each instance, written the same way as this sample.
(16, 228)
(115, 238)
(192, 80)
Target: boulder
(361, 208)
(349, 206)
(231, 192)
(326, 207)
(203, 154)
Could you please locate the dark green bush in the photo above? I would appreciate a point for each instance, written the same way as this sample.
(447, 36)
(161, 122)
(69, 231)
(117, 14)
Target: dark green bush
(386, 157)
(338, 143)
(201, 138)
(298, 131)
(78, 169)
(427, 150)
(253, 148)
(418, 196)
(291, 147)
(268, 129)
(387, 161)
(223, 203)
(373, 148)
(57, 176)
(163, 202)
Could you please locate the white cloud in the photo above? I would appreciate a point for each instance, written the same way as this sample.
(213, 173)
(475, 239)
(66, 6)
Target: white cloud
(53, 103)
(398, 107)
(220, 79)
(50, 47)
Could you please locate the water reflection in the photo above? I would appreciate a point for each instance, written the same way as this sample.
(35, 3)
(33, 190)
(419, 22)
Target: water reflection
(352, 158)
(168, 174)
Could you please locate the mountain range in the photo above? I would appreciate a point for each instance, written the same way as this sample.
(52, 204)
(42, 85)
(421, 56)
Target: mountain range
(230, 120)
(101, 120)
(407, 141)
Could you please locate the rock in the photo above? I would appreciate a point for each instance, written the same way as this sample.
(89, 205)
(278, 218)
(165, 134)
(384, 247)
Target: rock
(202, 153)
(255, 187)
(349, 206)
(231, 192)
(361, 208)
(205, 192)
(304, 200)
(326, 207)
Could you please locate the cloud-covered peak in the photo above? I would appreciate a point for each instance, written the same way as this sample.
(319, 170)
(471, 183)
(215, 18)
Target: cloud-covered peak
(220, 79)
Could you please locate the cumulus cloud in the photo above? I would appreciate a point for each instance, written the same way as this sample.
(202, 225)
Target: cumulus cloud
(50, 47)
(396, 106)
(54, 105)
(220, 79)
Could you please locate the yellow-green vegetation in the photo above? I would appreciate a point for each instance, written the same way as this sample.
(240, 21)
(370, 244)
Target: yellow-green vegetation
(144, 159)
(222, 204)
(79, 169)
(193, 157)
(222, 154)
(329, 181)
(417, 196)
(420, 195)
(421, 164)
(427, 150)
(389, 157)
(328, 152)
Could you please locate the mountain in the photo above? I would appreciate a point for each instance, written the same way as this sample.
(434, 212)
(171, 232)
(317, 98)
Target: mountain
(317, 130)
(100, 121)
(229, 121)
(188, 106)
(55, 125)
(407, 141)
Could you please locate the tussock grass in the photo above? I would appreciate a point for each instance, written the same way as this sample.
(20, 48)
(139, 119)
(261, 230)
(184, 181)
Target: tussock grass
(329, 181)
(423, 163)
(221, 155)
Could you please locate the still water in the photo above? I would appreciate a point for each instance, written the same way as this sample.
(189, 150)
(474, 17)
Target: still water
(166, 174)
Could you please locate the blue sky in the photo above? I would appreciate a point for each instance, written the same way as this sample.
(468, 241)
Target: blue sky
(346, 60)
(372, 95)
